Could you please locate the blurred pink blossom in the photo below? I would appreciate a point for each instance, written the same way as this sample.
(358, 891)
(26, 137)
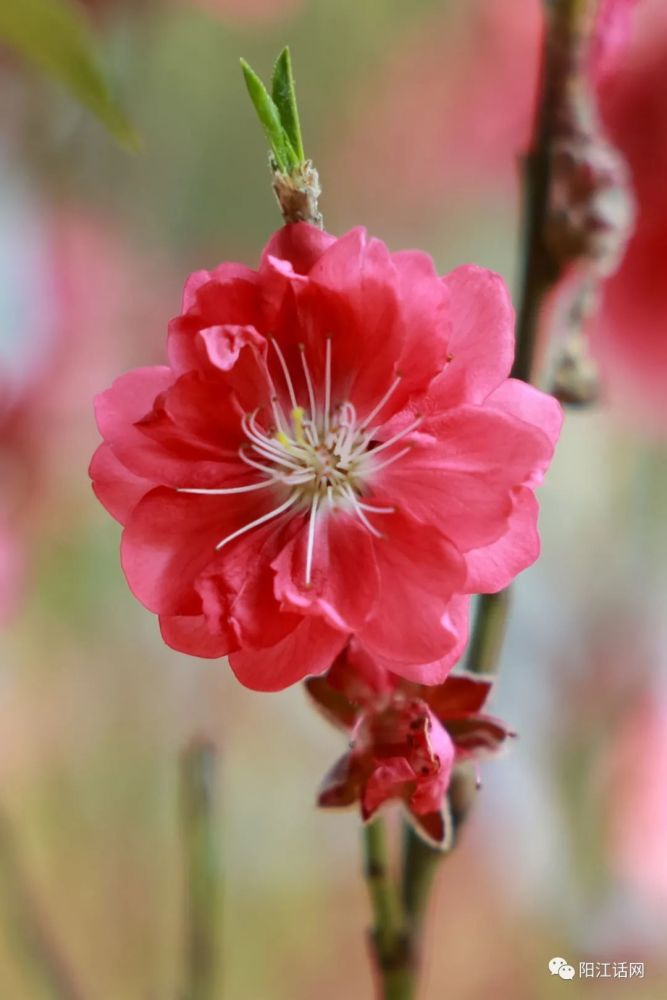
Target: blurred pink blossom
(452, 114)
(638, 819)
(629, 332)
(86, 322)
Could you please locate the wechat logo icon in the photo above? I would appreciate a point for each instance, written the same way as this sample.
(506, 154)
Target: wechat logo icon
(559, 967)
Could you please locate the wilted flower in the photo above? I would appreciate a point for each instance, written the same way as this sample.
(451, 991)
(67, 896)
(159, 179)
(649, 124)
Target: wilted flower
(334, 449)
(405, 737)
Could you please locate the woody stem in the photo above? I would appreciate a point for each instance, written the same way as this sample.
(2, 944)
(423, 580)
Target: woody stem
(392, 957)
(202, 870)
(562, 44)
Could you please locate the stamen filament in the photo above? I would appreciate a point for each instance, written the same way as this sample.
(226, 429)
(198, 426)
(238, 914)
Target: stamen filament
(397, 437)
(390, 461)
(259, 520)
(227, 490)
(327, 386)
(349, 493)
(279, 459)
(258, 436)
(310, 548)
(288, 380)
(309, 383)
(277, 412)
(297, 423)
(256, 465)
(376, 510)
(376, 409)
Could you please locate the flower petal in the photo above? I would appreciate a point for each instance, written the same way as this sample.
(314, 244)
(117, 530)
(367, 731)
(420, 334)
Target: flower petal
(463, 483)
(461, 694)
(482, 338)
(130, 398)
(419, 572)
(229, 295)
(454, 622)
(191, 634)
(493, 567)
(342, 784)
(344, 579)
(538, 409)
(299, 243)
(387, 781)
(238, 587)
(170, 539)
(117, 489)
(310, 649)
(435, 827)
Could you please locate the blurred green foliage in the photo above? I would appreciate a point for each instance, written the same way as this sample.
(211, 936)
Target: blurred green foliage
(55, 36)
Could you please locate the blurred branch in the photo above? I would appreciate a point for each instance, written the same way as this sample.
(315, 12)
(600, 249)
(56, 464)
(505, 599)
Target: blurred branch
(203, 871)
(55, 36)
(31, 929)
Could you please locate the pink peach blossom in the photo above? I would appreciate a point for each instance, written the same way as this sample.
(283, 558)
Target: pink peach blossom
(334, 449)
(406, 737)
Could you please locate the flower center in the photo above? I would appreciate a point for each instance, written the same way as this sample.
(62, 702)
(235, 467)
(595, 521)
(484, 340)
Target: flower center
(322, 453)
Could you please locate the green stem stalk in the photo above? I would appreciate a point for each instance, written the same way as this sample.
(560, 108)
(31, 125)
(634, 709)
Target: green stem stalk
(203, 872)
(392, 958)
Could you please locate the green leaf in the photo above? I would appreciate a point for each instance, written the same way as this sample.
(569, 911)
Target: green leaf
(268, 114)
(55, 36)
(284, 98)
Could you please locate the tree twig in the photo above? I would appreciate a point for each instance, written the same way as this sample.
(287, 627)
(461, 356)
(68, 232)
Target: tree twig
(203, 872)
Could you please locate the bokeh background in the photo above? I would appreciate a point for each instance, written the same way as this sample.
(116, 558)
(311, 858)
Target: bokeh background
(415, 113)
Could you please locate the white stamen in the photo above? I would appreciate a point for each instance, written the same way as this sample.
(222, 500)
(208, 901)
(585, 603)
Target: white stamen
(228, 490)
(311, 538)
(397, 437)
(376, 510)
(359, 512)
(279, 459)
(278, 412)
(319, 457)
(304, 475)
(259, 520)
(327, 386)
(259, 437)
(390, 461)
(376, 409)
(256, 465)
(348, 415)
(300, 476)
(310, 432)
(309, 383)
(288, 380)
(347, 446)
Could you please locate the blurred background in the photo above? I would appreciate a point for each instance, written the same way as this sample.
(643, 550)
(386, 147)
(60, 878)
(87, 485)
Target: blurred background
(415, 113)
